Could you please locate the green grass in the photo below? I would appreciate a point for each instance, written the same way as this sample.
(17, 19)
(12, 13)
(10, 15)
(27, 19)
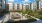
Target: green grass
(38, 16)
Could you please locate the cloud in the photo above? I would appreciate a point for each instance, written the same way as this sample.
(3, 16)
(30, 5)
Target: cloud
(11, 0)
(26, 1)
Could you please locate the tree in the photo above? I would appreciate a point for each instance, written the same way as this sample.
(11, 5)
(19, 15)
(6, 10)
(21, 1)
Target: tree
(29, 12)
(23, 11)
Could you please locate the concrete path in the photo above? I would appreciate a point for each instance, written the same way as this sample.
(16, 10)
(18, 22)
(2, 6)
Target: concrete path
(34, 17)
(21, 19)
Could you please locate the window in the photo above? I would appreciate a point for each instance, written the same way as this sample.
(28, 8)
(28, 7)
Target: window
(0, 0)
(13, 6)
(17, 6)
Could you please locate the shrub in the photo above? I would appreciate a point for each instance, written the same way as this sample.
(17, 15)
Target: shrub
(40, 12)
(31, 20)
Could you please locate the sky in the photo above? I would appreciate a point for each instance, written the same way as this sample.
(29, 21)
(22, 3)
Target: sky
(20, 1)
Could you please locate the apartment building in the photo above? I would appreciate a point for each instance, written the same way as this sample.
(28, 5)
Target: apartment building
(40, 4)
(15, 6)
(24, 6)
(2, 4)
(20, 7)
(27, 6)
(34, 6)
(10, 6)
(30, 5)
(37, 1)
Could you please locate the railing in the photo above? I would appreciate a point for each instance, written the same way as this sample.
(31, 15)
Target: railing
(1, 19)
(6, 18)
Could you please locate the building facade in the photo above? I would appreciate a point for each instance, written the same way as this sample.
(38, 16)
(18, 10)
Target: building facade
(38, 1)
(34, 6)
(10, 4)
(20, 7)
(40, 4)
(2, 4)
(24, 6)
(15, 6)
(27, 6)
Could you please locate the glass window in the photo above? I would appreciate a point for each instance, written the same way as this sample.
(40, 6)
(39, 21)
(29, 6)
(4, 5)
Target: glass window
(17, 7)
(0, 0)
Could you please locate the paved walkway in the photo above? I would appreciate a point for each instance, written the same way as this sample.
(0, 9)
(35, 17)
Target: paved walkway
(20, 14)
(7, 17)
(23, 18)
(34, 17)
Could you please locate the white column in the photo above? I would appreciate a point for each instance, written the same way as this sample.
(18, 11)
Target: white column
(39, 5)
(10, 6)
(29, 6)
(24, 6)
(20, 7)
(32, 6)
(15, 6)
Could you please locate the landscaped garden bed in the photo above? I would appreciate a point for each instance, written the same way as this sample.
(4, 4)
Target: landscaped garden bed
(31, 20)
(38, 16)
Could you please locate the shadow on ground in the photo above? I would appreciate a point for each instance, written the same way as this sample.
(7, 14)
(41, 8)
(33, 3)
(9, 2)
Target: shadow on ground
(22, 21)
